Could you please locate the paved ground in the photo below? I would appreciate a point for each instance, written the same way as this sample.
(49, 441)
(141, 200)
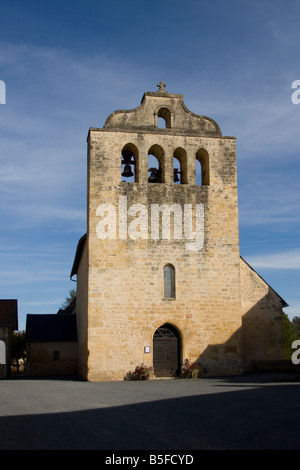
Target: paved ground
(255, 411)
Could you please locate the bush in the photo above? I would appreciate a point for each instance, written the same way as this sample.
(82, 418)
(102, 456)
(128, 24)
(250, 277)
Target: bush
(141, 372)
(192, 369)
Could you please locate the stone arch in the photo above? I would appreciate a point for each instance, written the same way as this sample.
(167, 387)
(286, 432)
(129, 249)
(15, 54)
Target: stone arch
(130, 161)
(156, 161)
(202, 172)
(167, 351)
(181, 157)
(165, 115)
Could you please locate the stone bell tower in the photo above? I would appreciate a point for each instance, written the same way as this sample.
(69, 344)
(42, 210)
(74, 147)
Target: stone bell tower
(159, 271)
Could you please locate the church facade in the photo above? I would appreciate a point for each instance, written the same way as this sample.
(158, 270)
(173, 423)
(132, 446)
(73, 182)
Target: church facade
(159, 273)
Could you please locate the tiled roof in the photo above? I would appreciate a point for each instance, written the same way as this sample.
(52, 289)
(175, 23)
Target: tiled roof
(51, 327)
(9, 313)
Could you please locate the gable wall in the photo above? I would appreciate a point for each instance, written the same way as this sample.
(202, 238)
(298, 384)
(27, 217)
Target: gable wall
(262, 319)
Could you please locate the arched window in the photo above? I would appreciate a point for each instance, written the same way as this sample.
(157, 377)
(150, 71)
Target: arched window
(130, 164)
(156, 165)
(180, 166)
(164, 118)
(169, 281)
(202, 167)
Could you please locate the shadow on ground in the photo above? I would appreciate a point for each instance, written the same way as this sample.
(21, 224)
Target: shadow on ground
(266, 416)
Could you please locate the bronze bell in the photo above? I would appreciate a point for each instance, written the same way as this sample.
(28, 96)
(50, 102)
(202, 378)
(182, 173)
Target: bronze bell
(176, 178)
(127, 171)
(154, 176)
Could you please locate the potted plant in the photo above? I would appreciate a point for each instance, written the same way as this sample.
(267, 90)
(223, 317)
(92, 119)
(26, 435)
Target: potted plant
(192, 370)
(143, 372)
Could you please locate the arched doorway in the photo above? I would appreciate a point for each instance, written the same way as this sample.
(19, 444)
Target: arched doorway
(166, 351)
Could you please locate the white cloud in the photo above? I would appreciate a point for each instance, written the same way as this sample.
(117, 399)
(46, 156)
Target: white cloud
(25, 276)
(284, 260)
(293, 310)
(35, 213)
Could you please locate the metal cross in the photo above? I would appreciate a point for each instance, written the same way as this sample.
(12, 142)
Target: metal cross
(161, 86)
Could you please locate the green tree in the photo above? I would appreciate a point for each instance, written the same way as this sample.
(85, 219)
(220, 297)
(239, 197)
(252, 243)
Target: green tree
(296, 325)
(69, 298)
(289, 335)
(18, 348)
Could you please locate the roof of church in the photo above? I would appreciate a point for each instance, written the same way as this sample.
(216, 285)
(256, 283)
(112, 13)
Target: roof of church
(51, 327)
(284, 304)
(9, 313)
(78, 253)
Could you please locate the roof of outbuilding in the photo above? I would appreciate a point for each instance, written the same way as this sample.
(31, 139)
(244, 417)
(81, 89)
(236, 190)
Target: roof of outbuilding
(78, 254)
(51, 327)
(9, 313)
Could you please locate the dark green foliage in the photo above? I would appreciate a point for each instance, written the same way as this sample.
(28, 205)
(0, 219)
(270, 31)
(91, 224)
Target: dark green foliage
(18, 348)
(289, 334)
(69, 298)
(296, 325)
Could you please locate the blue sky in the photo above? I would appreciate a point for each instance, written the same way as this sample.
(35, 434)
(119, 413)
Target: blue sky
(67, 65)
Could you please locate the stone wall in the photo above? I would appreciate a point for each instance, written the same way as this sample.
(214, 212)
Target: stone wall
(262, 319)
(52, 358)
(125, 281)
(82, 312)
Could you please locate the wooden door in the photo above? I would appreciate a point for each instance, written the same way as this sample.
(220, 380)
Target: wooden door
(166, 351)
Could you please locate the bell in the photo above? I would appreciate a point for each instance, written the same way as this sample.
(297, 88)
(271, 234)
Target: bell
(154, 177)
(176, 179)
(127, 171)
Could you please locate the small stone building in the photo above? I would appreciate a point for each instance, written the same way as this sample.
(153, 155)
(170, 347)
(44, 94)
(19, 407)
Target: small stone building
(8, 324)
(51, 343)
(159, 273)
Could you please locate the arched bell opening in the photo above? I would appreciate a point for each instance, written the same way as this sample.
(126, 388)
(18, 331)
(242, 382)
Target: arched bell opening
(180, 166)
(130, 164)
(202, 167)
(156, 165)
